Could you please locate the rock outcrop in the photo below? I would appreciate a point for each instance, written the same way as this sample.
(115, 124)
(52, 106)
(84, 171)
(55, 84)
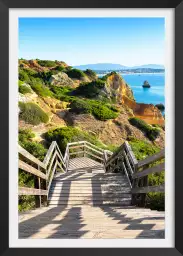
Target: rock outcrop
(61, 79)
(116, 88)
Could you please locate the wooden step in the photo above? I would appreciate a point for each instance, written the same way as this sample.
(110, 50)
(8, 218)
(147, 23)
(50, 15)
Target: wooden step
(117, 201)
(60, 191)
(88, 196)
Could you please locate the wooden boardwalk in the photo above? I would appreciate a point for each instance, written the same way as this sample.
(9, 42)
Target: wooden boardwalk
(87, 222)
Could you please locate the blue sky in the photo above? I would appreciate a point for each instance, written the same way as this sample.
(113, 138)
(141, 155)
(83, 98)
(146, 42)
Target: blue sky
(126, 41)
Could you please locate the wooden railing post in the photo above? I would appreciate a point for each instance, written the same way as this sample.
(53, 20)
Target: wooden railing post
(37, 185)
(134, 185)
(84, 149)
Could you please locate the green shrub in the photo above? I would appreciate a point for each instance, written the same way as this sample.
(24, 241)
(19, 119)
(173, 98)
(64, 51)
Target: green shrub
(23, 76)
(75, 73)
(25, 135)
(59, 68)
(155, 201)
(68, 134)
(62, 93)
(80, 107)
(151, 132)
(42, 90)
(32, 113)
(103, 113)
(96, 108)
(24, 89)
(90, 90)
(46, 63)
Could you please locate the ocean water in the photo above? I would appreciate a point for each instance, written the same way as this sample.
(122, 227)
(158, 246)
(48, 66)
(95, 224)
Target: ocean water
(153, 95)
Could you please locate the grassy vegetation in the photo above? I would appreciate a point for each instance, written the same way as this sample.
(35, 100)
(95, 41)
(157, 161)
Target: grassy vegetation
(151, 132)
(96, 108)
(32, 113)
(42, 90)
(143, 149)
(62, 93)
(23, 88)
(26, 179)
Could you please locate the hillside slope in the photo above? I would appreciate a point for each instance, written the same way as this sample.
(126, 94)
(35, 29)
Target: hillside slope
(71, 97)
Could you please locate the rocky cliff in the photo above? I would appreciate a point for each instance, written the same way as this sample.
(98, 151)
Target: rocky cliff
(116, 88)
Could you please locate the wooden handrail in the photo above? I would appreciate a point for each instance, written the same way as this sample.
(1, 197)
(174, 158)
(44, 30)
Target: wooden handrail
(157, 168)
(53, 156)
(151, 159)
(30, 157)
(142, 176)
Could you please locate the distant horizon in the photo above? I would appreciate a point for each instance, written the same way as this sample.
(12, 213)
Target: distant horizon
(81, 64)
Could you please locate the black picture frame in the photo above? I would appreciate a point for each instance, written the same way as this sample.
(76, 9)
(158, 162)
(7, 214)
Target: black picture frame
(5, 5)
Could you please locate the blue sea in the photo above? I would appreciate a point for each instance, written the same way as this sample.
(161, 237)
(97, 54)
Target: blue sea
(153, 95)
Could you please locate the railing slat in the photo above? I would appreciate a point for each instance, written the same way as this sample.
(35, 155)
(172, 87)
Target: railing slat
(152, 158)
(127, 175)
(89, 153)
(28, 168)
(31, 191)
(94, 146)
(30, 157)
(51, 178)
(49, 153)
(76, 153)
(157, 168)
(128, 163)
(96, 151)
(129, 149)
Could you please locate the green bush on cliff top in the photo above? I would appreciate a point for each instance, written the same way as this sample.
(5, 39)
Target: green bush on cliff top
(75, 73)
(46, 63)
(32, 113)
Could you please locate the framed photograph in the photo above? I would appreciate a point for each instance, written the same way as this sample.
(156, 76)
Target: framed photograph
(88, 155)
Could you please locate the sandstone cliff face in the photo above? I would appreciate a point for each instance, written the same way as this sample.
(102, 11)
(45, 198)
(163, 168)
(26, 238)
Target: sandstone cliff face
(116, 88)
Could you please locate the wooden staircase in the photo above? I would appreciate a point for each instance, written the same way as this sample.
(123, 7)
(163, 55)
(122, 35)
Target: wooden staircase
(88, 188)
(90, 193)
